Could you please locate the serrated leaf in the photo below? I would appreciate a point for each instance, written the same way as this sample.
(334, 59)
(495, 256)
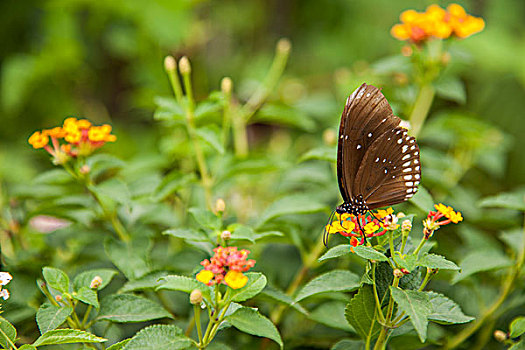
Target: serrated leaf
(243, 232)
(149, 281)
(9, 333)
(88, 296)
(206, 218)
(422, 199)
(333, 281)
(183, 284)
(212, 136)
(56, 279)
(407, 261)
(512, 200)
(332, 314)
(168, 109)
(256, 283)
(171, 183)
(67, 336)
(446, 310)
(129, 257)
(517, 327)
(252, 322)
(360, 313)
(124, 308)
(261, 235)
(321, 153)
(28, 347)
(416, 305)
(369, 253)
(188, 233)
(294, 204)
(49, 317)
(348, 344)
(84, 279)
(159, 337)
(335, 252)
(113, 190)
(435, 261)
(120, 345)
(451, 88)
(280, 296)
(519, 345)
(478, 261)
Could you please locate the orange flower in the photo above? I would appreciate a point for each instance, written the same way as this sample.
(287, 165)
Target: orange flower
(226, 267)
(38, 140)
(432, 223)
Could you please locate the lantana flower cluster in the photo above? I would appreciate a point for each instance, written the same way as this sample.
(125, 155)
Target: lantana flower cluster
(436, 22)
(434, 222)
(5, 278)
(74, 138)
(375, 225)
(226, 267)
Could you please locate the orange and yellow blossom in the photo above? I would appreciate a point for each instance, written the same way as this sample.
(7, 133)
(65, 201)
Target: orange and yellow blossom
(226, 266)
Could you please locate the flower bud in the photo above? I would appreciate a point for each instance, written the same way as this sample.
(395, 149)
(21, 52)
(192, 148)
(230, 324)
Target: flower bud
(500, 336)
(58, 298)
(329, 137)
(96, 282)
(196, 297)
(284, 45)
(220, 206)
(85, 169)
(226, 235)
(226, 85)
(184, 66)
(398, 273)
(406, 51)
(170, 64)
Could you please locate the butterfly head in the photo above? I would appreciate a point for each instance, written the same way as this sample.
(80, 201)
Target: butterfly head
(356, 206)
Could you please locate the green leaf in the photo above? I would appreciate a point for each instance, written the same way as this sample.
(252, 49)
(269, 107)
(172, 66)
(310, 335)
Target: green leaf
(407, 261)
(519, 345)
(422, 199)
(149, 281)
(265, 234)
(56, 279)
(272, 113)
(130, 308)
(478, 261)
(512, 200)
(369, 253)
(212, 136)
(207, 109)
(335, 252)
(445, 310)
(348, 344)
(84, 279)
(171, 183)
(29, 347)
(9, 333)
(333, 281)
(294, 204)
(120, 345)
(320, 153)
(360, 313)
(451, 88)
(67, 336)
(87, 295)
(517, 327)
(332, 314)
(242, 232)
(280, 296)
(159, 337)
(184, 284)
(114, 190)
(129, 257)
(435, 261)
(256, 283)
(206, 218)
(416, 305)
(168, 109)
(188, 233)
(252, 322)
(49, 317)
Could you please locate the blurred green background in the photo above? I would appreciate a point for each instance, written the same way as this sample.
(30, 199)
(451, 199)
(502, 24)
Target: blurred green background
(102, 60)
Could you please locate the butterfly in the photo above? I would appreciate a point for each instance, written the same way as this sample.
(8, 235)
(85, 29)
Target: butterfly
(377, 161)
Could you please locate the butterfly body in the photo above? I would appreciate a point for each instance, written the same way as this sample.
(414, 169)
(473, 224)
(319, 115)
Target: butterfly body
(377, 161)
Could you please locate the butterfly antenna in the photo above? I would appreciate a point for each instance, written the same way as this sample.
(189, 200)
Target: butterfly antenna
(361, 227)
(325, 233)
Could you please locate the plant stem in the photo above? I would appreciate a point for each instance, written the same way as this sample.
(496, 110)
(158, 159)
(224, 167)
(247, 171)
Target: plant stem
(383, 335)
(197, 316)
(511, 277)
(310, 261)
(421, 244)
(378, 303)
(421, 108)
(86, 315)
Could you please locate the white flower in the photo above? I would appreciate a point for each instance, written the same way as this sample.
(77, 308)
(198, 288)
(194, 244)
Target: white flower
(5, 278)
(4, 293)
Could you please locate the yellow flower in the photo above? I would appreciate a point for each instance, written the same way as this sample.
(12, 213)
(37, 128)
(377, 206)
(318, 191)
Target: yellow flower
(370, 228)
(83, 124)
(449, 213)
(73, 136)
(235, 279)
(381, 213)
(38, 140)
(56, 132)
(204, 276)
(457, 11)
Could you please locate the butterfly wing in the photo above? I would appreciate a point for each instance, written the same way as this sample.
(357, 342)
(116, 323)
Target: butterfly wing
(366, 117)
(390, 171)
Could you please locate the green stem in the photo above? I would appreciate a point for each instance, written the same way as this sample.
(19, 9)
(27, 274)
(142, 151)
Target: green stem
(6, 338)
(425, 281)
(240, 139)
(383, 335)
(310, 261)
(86, 316)
(421, 107)
(378, 303)
(197, 316)
(421, 244)
(511, 277)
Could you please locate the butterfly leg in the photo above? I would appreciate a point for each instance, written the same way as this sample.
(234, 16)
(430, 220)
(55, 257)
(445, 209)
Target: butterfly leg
(325, 232)
(363, 239)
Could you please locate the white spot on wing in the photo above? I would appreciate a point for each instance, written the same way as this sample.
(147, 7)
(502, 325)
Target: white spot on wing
(407, 177)
(399, 141)
(409, 184)
(369, 134)
(405, 157)
(406, 170)
(405, 147)
(406, 164)
(358, 146)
